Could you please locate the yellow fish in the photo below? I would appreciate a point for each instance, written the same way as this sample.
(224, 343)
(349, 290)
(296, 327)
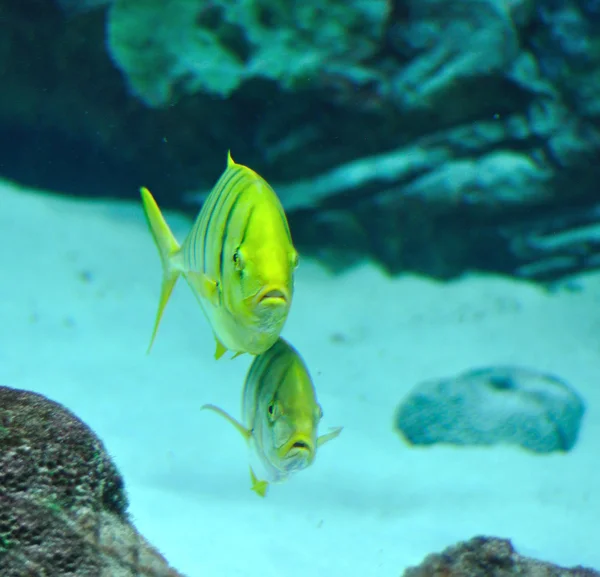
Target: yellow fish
(280, 413)
(238, 259)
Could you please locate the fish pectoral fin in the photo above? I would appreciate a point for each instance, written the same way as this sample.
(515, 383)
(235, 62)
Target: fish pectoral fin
(220, 350)
(329, 436)
(246, 433)
(168, 249)
(258, 486)
(206, 287)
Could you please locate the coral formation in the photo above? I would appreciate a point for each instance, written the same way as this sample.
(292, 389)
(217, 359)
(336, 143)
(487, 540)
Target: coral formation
(167, 49)
(489, 557)
(493, 405)
(63, 508)
(472, 130)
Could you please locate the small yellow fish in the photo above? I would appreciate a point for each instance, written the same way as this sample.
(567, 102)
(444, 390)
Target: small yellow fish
(238, 259)
(280, 415)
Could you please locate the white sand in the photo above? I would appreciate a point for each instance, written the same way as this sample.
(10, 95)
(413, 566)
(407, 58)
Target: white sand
(370, 505)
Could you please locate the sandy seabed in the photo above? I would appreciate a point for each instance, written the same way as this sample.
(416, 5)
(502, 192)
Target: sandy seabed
(79, 290)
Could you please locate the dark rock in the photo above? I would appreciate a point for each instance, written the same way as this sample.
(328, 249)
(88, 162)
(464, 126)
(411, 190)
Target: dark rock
(495, 405)
(62, 501)
(216, 46)
(72, 7)
(489, 557)
(558, 243)
(429, 136)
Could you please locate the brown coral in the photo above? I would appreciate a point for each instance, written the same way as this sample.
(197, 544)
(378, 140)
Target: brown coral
(62, 500)
(489, 557)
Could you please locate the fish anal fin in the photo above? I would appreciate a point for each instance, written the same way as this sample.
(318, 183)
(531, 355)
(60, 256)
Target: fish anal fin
(258, 486)
(329, 436)
(246, 433)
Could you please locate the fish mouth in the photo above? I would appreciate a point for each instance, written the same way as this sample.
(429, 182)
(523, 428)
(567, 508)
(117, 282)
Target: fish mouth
(272, 296)
(300, 446)
(299, 452)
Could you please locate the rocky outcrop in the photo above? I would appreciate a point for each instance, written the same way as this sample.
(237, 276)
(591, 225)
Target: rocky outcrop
(63, 508)
(490, 406)
(489, 557)
(169, 49)
(430, 136)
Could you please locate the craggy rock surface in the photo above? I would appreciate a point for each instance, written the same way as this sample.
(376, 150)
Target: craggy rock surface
(489, 557)
(430, 135)
(493, 405)
(62, 502)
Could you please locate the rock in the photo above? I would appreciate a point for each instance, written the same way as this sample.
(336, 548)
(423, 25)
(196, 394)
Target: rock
(489, 557)
(63, 508)
(493, 405)
(557, 244)
(441, 73)
(169, 49)
(381, 127)
(73, 7)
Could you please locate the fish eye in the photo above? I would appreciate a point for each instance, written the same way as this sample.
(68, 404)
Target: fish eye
(237, 260)
(295, 259)
(274, 410)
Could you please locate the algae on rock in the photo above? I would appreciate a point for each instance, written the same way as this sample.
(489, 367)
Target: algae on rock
(168, 49)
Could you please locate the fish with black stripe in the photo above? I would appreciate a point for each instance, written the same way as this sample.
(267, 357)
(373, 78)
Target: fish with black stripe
(280, 415)
(238, 259)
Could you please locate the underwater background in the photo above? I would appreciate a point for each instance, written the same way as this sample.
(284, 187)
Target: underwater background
(438, 165)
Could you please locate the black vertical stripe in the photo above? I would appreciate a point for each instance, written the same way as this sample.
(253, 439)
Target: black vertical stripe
(285, 373)
(199, 224)
(249, 217)
(274, 353)
(229, 187)
(260, 369)
(281, 211)
(206, 217)
(222, 254)
(228, 218)
(264, 363)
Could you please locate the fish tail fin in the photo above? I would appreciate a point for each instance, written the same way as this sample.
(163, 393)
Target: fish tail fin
(168, 248)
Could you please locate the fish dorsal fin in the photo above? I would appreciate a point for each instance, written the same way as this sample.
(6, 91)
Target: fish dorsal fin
(230, 161)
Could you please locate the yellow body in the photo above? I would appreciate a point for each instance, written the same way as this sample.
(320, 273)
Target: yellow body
(238, 259)
(280, 414)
